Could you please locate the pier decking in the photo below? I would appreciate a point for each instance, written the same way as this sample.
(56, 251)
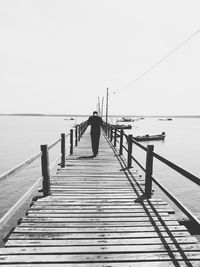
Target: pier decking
(97, 216)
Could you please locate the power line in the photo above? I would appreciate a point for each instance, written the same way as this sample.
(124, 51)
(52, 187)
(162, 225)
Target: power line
(161, 60)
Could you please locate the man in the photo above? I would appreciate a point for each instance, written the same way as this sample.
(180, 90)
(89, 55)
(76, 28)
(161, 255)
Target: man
(96, 122)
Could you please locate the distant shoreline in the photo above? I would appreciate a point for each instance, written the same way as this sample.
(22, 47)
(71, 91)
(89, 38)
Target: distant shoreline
(86, 115)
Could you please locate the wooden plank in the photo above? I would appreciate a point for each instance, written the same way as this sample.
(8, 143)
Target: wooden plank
(94, 224)
(94, 211)
(94, 208)
(99, 219)
(92, 190)
(103, 235)
(93, 215)
(92, 185)
(104, 229)
(97, 242)
(96, 258)
(95, 205)
(101, 249)
(166, 263)
(54, 198)
(93, 202)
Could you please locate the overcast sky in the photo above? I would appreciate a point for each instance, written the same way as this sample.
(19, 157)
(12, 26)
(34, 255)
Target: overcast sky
(58, 56)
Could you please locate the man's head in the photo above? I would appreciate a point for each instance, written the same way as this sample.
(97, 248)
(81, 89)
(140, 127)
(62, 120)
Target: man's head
(95, 113)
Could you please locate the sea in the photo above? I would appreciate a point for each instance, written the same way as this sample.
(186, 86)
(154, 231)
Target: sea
(21, 137)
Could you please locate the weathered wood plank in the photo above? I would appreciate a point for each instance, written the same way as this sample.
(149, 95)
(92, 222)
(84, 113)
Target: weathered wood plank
(104, 229)
(99, 219)
(95, 211)
(60, 199)
(101, 249)
(166, 263)
(94, 206)
(95, 224)
(96, 258)
(93, 215)
(96, 242)
(103, 235)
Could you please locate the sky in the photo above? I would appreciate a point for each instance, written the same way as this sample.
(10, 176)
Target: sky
(58, 56)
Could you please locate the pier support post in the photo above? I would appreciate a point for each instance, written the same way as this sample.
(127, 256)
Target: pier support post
(62, 150)
(129, 159)
(149, 171)
(121, 142)
(71, 142)
(45, 170)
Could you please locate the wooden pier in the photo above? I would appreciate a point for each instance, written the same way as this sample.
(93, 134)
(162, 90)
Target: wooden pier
(97, 215)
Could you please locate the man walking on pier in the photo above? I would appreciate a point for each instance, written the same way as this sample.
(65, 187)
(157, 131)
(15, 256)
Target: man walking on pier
(96, 122)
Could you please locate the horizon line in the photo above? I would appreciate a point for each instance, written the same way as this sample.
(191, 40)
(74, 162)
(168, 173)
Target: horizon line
(84, 115)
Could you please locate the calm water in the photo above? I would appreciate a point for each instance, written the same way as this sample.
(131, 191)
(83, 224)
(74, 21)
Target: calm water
(21, 137)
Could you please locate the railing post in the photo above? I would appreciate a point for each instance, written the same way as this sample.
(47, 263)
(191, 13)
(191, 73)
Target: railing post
(129, 154)
(79, 132)
(62, 150)
(115, 137)
(149, 171)
(76, 135)
(121, 142)
(111, 133)
(108, 131)
(71, 142)
(45, 170)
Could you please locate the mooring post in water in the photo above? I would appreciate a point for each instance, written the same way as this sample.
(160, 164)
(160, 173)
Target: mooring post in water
(71, 141)
(149, 171)
(76, 135)
(62, 150)
(45, 170)
(129, 154)
(115, 137)
(121, 142)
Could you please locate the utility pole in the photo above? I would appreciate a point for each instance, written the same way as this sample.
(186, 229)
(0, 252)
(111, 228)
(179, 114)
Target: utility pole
(102, 100)
(98, 106)
(107, 106)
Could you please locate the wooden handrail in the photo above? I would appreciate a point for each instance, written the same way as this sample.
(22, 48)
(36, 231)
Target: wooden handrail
(20, 166)
(180, 170)
(175, 167)
(177, 202)
(27, 162)
(7, 216)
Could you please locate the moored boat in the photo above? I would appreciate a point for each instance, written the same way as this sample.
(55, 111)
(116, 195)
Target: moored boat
(123, 126)
(148, 137)
(167, 119)
(126, 120)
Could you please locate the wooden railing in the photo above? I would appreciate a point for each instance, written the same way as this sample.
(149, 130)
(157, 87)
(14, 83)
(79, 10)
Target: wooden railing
(76, 132)
(117, 136)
